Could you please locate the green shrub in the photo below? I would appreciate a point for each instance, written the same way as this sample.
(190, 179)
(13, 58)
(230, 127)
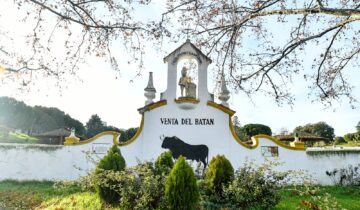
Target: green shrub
(220, 172)
(138, 187)
(212, 202)
(164, 163)
(141, 188)
(181, 190)
(349, 137)
(255, 188)
(339, 140)
(112, 161)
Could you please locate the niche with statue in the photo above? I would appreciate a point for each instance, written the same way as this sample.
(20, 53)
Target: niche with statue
(187, 77)
(186, 80)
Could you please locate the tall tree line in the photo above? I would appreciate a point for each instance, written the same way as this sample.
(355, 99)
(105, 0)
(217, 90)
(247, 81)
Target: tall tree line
(38, 119)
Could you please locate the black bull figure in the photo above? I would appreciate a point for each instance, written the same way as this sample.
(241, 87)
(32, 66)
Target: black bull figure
(190, 152)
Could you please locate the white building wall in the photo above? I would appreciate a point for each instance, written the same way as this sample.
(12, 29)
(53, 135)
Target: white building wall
(47, 162)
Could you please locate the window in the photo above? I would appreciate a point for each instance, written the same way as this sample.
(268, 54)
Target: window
(100, 148)
(270, 151)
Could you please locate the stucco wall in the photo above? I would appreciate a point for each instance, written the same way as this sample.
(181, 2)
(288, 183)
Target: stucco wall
(42, 162)
(50, 162)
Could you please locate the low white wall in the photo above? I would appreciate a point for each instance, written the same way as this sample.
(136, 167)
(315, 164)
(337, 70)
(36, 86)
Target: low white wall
(49, 162)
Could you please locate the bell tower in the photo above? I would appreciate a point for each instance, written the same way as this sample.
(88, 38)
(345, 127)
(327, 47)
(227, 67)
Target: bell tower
(189, 90)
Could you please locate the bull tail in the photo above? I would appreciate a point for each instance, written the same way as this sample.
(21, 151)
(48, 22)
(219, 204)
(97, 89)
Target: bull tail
(207, 159)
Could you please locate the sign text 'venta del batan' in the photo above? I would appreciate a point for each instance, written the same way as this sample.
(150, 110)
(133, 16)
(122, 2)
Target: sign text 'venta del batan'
(187, 121)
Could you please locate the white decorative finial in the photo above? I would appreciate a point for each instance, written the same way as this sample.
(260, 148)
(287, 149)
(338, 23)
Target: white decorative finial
(72, 132)
(72, 139)
(224, 92)
(150, 90)
(296, 137)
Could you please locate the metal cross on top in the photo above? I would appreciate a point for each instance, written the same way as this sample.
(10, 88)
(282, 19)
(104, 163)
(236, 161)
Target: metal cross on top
(187, 31)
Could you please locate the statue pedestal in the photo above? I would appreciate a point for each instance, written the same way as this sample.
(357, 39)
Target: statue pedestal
(191, 91)
(187, 102)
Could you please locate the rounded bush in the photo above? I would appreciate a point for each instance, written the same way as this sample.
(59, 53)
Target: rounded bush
(255, 187)
(112, 161)
(220, 172)
(181, 190)
(164, 163)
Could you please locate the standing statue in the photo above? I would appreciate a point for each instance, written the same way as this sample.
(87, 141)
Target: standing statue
(186, 84)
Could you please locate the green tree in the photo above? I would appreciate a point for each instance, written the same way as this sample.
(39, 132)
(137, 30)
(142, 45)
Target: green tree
(128, 134)
(112, 128)
(94, 126)
(164, 163)
(358, 127)
(73, 123)
(219, 173)
(13, 113)
(318, 129)
(181, 190)
(16, 114)
(339, 140)
(349, 137)
(255, 129)
(112, 161)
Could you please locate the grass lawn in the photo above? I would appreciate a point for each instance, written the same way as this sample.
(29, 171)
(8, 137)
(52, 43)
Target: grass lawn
(18, 138)
(349, 144)
(42, 195)
(346, 197)
(30, 194)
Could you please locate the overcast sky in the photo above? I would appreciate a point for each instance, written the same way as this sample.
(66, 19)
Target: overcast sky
(115, 99)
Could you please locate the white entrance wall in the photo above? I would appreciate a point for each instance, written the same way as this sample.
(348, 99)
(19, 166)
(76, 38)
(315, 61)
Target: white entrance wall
(198, 128)
(43, 162)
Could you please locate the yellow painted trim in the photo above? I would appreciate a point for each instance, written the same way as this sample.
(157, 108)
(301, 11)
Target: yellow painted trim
(238, 140)
(221, 107)
(153, 106)
(276, 141)
(255, 140)
(187, 100)
(139, 130)
(115, 135)
(71, 140)
(298, 144)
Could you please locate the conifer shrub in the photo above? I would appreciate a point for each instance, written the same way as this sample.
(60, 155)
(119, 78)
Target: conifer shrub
(112, 161)
(181, 190)
(164, 163)
(219, 173)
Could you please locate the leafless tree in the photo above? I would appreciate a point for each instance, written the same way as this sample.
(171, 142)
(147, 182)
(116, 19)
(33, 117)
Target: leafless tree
(241, 36)
(327, 30)
(65, 32)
